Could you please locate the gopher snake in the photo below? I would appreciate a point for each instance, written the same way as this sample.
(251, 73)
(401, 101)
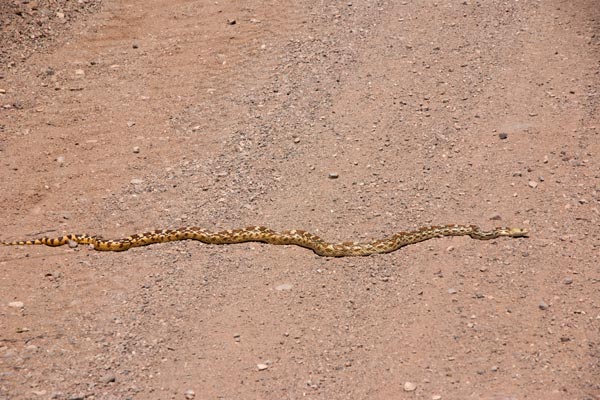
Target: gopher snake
(266, 235)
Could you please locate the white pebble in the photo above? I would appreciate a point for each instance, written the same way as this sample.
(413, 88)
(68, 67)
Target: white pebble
(410, 386)
(262, 367)
(16, 304)
(283, 286)
(190, 394)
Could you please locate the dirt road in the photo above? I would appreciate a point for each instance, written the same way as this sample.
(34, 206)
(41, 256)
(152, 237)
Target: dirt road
(349, 119)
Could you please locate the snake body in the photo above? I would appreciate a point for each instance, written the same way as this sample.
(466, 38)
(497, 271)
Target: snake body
(266, 235)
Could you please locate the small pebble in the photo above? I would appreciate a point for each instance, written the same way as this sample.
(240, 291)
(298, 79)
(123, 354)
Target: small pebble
(135, 46)
(296, 140)
(16, 304)
(283, 286)
(136, 149)
(190, 394)
(503, 135)
(410, 386)
(108, 378)
(452, 291)
(532, 184)
(79, 72)
(494, 368)
(333, 175)
(495, 217)
(262, 367)
(136, 181)
(568, 280)
(436, 397)
(130, 124)
(60, 159)
(543, 305)
(231, 22)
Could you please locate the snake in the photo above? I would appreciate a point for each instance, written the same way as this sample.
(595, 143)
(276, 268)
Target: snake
(266, 235)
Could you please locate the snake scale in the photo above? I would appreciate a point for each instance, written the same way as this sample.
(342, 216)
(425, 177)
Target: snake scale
(266, 235)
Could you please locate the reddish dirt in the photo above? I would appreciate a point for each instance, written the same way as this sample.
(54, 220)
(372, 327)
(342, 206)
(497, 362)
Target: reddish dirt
(429, 112)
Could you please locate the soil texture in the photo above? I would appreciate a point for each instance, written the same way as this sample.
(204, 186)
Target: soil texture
(349, 119)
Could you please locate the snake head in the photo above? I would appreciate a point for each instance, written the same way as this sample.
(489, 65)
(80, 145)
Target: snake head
(517, 232)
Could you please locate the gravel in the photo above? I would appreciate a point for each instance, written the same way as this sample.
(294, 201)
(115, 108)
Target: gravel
(262, 367)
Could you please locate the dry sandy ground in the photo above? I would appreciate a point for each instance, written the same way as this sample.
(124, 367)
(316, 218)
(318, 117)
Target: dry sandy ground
(141, 114)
